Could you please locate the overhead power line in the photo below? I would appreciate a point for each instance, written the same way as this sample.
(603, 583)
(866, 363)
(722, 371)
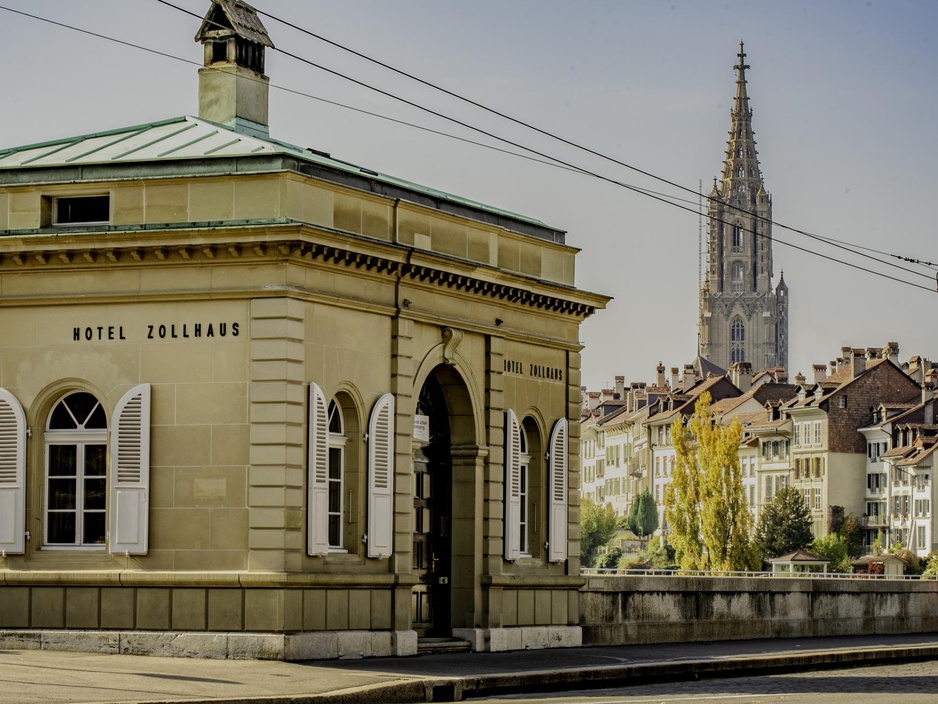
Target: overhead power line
(563, 140)
(550, 160)
(667, 199)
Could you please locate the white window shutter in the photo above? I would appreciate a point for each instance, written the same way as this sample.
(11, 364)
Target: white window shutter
(317, 500)
(12, 475)
(130, 473)
(512, 486)
(381, 478)
(557, 529)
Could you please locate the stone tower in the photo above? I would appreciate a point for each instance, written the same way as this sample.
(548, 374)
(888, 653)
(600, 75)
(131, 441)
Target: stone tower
(742, 318)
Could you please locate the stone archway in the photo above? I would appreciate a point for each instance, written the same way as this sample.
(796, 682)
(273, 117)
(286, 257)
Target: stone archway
(447, 505)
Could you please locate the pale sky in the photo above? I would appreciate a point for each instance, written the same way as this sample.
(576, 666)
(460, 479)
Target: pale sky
(844, 96)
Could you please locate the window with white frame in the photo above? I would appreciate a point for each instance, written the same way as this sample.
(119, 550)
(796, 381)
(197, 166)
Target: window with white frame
(817, 432)
(76, 473)
(336, 475)
(920, 537)
(797, 433)
(817, 498)
(524, 467)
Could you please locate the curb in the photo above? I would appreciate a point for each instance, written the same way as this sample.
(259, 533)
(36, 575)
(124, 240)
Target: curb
(453, 689)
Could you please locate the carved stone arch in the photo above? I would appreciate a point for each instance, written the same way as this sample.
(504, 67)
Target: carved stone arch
(448, 467)
(357, 401)
(461, 367)
(538, 417)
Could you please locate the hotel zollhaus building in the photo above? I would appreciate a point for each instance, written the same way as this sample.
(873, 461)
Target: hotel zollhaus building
(258, 402)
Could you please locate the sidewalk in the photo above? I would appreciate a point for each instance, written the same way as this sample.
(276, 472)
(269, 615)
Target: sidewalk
(28, 676)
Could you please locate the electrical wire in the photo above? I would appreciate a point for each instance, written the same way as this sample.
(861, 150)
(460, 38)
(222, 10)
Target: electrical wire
(830, 241)
(576, 145)
(553, 161)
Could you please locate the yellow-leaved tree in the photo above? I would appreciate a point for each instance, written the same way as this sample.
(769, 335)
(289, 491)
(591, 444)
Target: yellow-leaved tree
(709, 522)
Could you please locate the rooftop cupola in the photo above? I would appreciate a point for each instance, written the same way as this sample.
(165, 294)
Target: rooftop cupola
(233, 89)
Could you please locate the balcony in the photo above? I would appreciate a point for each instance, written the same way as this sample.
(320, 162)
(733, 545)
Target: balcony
(874, 521)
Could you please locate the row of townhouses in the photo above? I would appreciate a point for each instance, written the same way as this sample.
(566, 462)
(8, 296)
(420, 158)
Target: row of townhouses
(859, 438)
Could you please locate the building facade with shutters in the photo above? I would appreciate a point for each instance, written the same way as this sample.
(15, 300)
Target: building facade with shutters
(272, 401)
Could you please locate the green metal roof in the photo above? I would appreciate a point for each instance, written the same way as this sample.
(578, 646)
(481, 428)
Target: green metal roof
(188, 137)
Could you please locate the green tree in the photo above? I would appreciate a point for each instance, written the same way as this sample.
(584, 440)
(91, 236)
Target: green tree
(705, 502)
(833, 547)
(931, 566)
(598, 524)
(784, 524)
(643, 516)
(657, 554)
(852, 533)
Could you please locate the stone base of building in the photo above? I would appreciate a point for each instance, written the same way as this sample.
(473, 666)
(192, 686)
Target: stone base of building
(497, 640)
(324, 645)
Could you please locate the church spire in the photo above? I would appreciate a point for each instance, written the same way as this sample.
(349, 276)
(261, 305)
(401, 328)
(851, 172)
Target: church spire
(742, 178)
(742, 317)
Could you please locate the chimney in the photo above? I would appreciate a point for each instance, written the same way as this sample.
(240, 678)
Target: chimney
(233, 90)
(620, 388)
(846, 354)
(928, 398)
(741, 375)
(800, 379)
(892, 352)
(833, 366)
(593, 400)
(674, 379)
(859, 363)
(819, 374)
(659, 376)
(689, 378)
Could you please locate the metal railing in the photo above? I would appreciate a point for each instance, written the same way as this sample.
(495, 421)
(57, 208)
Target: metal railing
(632, 572)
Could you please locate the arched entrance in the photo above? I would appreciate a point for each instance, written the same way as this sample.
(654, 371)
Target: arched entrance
(445, 421)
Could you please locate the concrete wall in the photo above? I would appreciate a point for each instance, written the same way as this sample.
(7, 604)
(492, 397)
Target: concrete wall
(635, 609)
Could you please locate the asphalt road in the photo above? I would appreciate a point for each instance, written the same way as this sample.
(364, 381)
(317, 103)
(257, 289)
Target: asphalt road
(907, 683)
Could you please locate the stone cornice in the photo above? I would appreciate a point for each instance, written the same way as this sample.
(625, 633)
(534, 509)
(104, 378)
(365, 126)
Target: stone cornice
(67, 249)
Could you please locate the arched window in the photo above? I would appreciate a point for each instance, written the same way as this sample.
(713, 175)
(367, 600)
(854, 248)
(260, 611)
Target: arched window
(336, 474)
(737, 340)
(738, 277)
(76, 473)
(737, 238)
(334, 492)
(523, 528)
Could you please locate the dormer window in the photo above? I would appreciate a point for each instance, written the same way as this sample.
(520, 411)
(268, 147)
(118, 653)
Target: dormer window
(81, 210)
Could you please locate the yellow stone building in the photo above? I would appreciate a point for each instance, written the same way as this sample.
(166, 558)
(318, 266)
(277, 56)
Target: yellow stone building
(258, 402)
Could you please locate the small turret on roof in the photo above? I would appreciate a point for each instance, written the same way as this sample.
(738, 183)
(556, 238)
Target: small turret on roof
(233, 90)
(236, 16)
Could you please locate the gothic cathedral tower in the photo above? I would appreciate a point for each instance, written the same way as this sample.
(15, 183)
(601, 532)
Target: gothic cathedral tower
(742, 319)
